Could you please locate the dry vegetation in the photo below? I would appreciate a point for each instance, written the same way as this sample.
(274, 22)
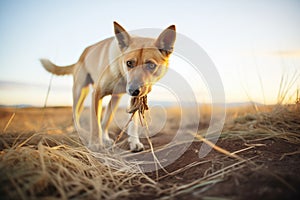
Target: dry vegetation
(41, 157)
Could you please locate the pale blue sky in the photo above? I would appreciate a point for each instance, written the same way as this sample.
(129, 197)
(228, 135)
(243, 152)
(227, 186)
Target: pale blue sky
(245, 40)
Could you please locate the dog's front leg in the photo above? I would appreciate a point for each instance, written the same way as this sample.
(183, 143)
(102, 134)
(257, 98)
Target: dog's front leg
(109, 113)
(96, 128)
(96, 109)
(134, 141)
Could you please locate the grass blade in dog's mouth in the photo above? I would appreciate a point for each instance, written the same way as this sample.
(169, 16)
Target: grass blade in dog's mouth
(138, 103)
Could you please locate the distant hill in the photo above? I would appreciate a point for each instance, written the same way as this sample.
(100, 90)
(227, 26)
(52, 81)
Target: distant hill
(157, 103)
(17, 106)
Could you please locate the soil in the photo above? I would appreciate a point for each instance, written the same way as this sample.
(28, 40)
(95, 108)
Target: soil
(273, 172)
(274, 177)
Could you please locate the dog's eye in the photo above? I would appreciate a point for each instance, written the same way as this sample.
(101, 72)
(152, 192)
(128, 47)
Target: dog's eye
(130, 63)
(150, 65)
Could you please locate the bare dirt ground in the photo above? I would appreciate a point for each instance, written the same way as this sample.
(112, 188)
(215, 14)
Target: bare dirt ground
(268, 143)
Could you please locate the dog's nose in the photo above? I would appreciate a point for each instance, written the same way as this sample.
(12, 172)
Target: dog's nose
(134, 92)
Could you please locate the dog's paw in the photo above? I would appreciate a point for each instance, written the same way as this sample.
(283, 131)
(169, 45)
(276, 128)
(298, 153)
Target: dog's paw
(136, 146)
(95, 147)
(107, 142)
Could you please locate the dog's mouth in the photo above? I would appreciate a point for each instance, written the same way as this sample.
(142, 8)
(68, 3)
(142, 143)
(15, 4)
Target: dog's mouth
(138, 92)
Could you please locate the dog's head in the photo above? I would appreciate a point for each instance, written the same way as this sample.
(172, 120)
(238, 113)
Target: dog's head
(144, 60)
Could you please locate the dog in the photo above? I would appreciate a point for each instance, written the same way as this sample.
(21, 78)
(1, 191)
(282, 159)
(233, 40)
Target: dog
(114, 66)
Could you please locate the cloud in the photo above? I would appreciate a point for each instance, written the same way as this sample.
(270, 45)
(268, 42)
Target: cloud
(12, 85)
(287, 53)
(20, 85)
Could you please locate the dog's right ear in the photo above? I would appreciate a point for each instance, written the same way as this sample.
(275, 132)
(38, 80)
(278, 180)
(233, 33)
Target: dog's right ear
(122, 36)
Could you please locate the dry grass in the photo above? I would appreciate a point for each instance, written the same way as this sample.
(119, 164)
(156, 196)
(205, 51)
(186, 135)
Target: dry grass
(39, 165)
(281, 122)
(64, 171)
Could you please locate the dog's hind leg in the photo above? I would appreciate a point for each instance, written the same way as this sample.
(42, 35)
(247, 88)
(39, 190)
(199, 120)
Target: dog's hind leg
(79, 103)
(109, 114)
(80, 92)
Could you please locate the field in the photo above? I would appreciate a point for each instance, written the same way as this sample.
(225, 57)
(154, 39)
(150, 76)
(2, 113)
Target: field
(257, 157)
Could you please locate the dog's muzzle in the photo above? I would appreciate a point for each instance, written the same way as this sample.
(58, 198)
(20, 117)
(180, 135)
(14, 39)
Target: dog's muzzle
(134, 91)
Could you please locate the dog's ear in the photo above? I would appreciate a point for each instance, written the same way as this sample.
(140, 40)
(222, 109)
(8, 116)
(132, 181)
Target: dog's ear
(122, 36)
(165, 41)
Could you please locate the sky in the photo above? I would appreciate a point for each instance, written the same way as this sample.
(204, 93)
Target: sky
(253, 44)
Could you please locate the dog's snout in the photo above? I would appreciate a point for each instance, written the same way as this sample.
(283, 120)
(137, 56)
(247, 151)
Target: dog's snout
(134, 92)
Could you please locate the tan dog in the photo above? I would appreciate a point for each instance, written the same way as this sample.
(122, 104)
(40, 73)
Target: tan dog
(115, 66)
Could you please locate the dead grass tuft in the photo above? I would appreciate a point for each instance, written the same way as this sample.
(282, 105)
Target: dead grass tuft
(282, 122)
(61, 171)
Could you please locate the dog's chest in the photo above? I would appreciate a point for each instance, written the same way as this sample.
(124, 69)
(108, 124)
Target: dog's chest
(113, 86)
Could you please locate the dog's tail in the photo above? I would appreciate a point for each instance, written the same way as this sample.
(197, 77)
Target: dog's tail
(57, 70)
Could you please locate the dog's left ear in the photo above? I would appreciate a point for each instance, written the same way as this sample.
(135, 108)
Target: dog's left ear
(122, 36)
(165, 41)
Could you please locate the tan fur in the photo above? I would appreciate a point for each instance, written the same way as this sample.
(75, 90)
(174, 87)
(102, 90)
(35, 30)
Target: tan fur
(105, 66)
(54, 69)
